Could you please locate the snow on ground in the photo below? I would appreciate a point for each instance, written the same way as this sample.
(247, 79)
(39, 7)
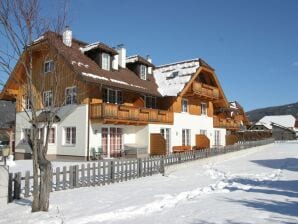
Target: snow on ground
(257, 185)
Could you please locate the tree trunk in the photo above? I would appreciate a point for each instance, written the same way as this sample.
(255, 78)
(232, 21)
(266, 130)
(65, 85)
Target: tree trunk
(46, 176)
(34, 148)
(45, 185)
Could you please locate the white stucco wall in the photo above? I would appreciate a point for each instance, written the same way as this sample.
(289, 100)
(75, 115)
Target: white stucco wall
(71, 116)
(187, 121)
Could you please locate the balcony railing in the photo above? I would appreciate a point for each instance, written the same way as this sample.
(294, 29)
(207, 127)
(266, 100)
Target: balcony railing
(113, 113)
(205, 91)
(225, 123)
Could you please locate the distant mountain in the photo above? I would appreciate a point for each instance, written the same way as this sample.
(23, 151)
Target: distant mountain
(7, 113)
(257, 114)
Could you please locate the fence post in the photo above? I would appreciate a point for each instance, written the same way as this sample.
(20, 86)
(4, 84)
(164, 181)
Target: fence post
(162, 165)
(139, 168)
(27, 184)
(76, 176)
(10, 180)
(112, 171)
(17, 185)
(179, 157)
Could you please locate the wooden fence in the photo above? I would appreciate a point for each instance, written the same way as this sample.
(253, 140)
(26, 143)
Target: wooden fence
(105, 172)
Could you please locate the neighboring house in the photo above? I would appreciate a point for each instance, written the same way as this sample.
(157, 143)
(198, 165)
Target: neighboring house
(112, 102)
(281, 133)
(279, 125)
(265, 123)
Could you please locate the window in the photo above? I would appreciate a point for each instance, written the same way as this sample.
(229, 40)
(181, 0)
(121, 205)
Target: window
(217, 139)
(26, 132)
(70, 136)
(47, 98)
(71, 95)
(184, 105)
(52, 136)
(185, 136)
(111, 140)
(143, 72)
(106, 61)
(203, 132)
(165, 132)
(27, 103)
(112, 96)
(203, 109)
(150, 101)
(48, 66)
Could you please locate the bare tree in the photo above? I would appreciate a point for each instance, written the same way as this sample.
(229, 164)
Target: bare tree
(20, 25)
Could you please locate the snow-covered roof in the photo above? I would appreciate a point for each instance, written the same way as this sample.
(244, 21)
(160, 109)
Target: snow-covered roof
(283, 120)
(89, 47)
(132, 59)
(172, 78)
(233, 105)
(99, 45)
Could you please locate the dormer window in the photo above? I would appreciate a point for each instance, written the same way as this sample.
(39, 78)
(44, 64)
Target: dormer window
(48, 66)
(143, 72)
(106, 61)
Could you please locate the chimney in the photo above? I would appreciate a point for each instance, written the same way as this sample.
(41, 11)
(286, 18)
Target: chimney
(67, 36)
(115, 62)
(122, 55)
(149, 68)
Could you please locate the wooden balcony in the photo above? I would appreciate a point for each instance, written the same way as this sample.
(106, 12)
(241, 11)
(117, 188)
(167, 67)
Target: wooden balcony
(225, 123)
(205, 91)
(120, 114)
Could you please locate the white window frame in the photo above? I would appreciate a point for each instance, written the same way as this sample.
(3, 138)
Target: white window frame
(72, 141)
(73, 95)
(47, 98)
(143, 72)
(184, 105)
(186, 137)
(106, 61)
(27, 105)
(166, 133)
(204, 109)
(217, 138)
(108, 128)
(48, 66)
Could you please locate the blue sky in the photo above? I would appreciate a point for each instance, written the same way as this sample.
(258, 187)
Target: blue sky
(252, 44)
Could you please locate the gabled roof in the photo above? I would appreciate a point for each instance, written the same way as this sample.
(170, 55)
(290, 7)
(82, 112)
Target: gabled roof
(283, 120)
(173, 79)
(89, 71)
